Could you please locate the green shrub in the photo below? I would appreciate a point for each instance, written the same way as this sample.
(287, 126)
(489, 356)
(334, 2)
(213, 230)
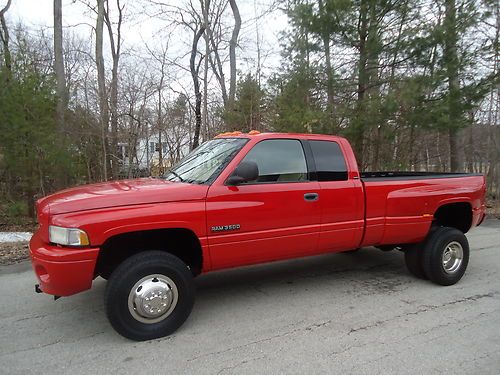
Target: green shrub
(16, 210)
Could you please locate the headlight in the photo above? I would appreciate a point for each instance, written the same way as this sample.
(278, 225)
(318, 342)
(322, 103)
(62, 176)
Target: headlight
(68, 236)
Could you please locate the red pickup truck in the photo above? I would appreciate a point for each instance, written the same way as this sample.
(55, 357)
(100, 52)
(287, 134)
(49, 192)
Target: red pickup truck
(243, 199)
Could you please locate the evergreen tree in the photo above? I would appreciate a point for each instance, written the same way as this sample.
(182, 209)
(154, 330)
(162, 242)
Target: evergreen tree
(247, 110)
(36, 156)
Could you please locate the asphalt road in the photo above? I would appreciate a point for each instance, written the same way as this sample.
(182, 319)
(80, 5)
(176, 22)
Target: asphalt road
(336, 314)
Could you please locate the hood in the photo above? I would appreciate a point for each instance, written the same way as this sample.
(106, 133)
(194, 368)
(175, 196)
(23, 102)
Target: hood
(120, 193)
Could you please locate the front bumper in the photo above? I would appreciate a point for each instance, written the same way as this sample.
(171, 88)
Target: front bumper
(62, 271)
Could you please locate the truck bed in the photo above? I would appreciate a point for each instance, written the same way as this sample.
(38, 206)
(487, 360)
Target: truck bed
(400, 206)
(389, 175)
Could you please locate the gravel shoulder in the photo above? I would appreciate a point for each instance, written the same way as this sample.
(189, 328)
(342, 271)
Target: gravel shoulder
(13, 252)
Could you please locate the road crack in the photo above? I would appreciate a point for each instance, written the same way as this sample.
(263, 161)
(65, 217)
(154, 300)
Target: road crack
(424, 309)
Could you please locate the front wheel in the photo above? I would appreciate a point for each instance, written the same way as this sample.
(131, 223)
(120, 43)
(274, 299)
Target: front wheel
(149, 295)
(445, 256)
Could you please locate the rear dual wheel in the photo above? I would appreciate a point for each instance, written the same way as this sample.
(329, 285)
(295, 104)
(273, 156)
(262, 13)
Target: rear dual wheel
(413, 260)
(442, 258)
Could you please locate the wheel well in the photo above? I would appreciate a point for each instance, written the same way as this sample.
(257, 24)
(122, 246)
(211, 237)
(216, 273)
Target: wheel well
(182, 243)
(455, 215)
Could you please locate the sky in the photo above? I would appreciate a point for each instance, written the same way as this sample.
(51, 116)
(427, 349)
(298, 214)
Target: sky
(140, 28)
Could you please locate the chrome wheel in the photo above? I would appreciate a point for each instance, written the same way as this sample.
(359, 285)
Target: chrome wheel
(153, 298)
(452, 258)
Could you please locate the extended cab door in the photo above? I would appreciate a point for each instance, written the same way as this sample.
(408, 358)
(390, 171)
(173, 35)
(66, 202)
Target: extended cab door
(277, 216)
(342, 196)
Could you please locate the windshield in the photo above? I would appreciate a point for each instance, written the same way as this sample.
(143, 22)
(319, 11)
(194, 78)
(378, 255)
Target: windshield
(206, 161)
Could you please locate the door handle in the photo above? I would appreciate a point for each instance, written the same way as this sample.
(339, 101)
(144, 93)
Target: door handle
(311, 197)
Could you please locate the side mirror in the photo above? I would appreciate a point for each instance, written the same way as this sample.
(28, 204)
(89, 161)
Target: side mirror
(244, 172)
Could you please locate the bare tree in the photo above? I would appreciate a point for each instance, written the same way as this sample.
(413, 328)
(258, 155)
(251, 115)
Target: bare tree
(195, 69)
(59, 64)
(115, 44)
(205, 6)
(232, 51)
(162, 59)
(101, 86)
(214, 34)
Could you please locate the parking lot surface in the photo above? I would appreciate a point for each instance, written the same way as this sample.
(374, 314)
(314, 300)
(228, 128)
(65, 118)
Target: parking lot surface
(358, 313)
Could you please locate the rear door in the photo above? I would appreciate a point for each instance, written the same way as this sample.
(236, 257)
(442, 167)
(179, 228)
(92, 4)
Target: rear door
(342, 199)
(274, 217)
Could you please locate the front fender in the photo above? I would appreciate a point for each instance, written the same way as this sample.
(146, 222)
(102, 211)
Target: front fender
(102, 224)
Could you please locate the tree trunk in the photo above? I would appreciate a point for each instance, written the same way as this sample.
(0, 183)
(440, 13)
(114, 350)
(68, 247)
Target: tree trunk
(159, 124)
(325, 36)
(451, 62)
(218, 69)
(59, 65)
(258, 73)
(196, 82)
(4, 36)
(113, 100)
(232, 52)
(358, 138)
(205, 8)
(101, 87)
(453, 142)
(392, 89)
(493, 130)
(372, 66)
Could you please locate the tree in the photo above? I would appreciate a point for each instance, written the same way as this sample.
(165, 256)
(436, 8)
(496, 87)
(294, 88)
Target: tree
(454, 91)
(59, 64)
(4, 36)
(195, 71)
(161, 58)
(396, 75)
(205, 6)
(178, 135)
(295, 106)
(246, 113)
(36, 157)
(101, 85)
(326, 38)
(115, 45)
(451, 61)
(492, 107)
(408, 82)
(232, 51)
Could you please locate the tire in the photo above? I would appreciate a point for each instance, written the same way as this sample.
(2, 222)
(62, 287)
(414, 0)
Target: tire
(445, 256)
(353, 251)
(105, 274)
(165, 283)
(385, 248)
(413, 260)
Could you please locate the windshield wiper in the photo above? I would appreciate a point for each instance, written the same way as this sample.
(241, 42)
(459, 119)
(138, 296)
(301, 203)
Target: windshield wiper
(176, 175)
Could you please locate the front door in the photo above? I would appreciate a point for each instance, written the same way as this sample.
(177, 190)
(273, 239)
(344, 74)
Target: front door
(276, 216)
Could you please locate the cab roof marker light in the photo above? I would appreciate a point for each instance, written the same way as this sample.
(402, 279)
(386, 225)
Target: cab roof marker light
(236, 133)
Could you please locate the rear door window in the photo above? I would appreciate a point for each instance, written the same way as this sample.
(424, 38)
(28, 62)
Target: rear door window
(329, 160)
